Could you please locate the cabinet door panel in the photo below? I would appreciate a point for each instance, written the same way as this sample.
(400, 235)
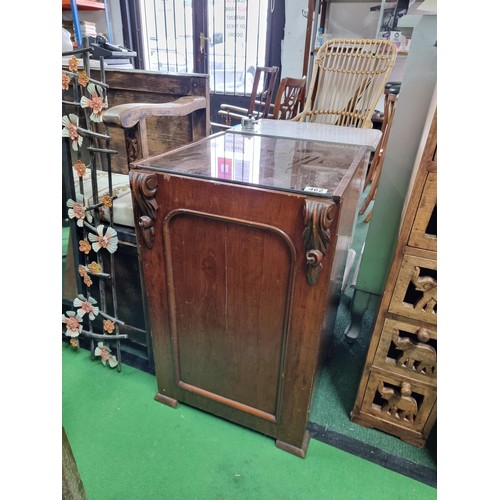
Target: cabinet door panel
(229, 325)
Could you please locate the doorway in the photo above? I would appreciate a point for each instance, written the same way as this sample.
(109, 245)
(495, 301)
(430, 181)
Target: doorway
(227, 39)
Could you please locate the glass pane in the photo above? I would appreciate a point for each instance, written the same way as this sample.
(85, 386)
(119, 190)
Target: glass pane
(168, 35)
(268, 162)
(237, 43)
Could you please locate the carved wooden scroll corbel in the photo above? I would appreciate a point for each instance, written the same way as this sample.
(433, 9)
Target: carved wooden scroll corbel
(318, 218)
(144, 188)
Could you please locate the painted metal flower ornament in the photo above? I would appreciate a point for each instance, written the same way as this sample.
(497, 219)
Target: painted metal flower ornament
(105, 354)
(83, 78)
(94, 267)
(82, 271)
(106, 237)
(86, 305)
(70, 124)
(73, 64)
(108, 326)
(77, 210)
(96, 102)
(80, 168)
(66, 79)
(107, 200)
(73, 323)
(84, 246)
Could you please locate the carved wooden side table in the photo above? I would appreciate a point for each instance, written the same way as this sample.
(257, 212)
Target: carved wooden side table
(398, 389)
(243, 242)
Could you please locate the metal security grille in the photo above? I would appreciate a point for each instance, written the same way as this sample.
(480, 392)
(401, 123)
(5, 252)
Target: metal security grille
(235, 43)
(168, 35)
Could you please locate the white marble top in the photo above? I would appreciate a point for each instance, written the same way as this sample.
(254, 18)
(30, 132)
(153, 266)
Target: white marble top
(314, 131)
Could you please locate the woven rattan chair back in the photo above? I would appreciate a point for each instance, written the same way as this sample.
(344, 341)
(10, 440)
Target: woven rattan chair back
(347, 81)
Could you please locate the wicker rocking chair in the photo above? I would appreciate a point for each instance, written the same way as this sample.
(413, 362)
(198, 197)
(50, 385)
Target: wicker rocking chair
(347, 81)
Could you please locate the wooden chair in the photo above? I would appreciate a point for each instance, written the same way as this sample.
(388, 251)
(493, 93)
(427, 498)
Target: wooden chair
(260, 98)
(347, 81)
(391, 93)
(289, 98)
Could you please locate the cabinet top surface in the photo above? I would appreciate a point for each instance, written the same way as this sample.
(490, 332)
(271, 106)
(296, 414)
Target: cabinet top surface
(309, 167)
(314, 131)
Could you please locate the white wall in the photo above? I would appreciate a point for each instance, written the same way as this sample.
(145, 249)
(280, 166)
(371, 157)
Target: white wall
(292, 51)
(355, 20)
(352, 20)
(408, 123)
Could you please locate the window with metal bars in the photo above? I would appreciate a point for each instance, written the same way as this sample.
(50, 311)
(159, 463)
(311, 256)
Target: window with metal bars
(235, 45)
(167, 33)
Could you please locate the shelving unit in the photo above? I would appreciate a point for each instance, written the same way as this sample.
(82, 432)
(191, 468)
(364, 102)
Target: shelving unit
(88, 5)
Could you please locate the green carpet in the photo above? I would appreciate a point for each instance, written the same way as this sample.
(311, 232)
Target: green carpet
(128, 446)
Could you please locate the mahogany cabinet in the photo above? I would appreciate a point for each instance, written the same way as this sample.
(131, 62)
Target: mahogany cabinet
(243, 242)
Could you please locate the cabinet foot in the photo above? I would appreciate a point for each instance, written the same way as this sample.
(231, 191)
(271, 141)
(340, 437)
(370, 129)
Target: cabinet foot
(166, 400)
(294, 450)
(355, 417)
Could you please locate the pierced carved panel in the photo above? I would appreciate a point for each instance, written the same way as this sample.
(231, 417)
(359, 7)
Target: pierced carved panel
(408, 349)
(144, 187)
(318, 218)
(424, 230)
(415, 293)
(398, 401)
